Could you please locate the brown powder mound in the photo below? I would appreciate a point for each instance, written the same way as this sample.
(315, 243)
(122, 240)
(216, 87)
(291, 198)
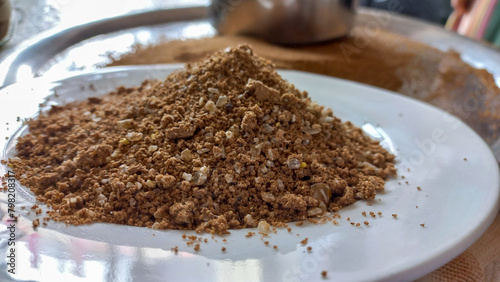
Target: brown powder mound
(224, 143)
(387, 60)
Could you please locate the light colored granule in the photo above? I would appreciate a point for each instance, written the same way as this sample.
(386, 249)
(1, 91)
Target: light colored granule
(210, 107)
(221, 102)
(263, 227)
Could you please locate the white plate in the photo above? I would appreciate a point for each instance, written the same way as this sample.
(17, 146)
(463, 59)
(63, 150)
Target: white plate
(457, 202)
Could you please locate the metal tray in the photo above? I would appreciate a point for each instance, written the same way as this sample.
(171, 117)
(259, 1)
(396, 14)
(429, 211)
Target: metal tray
(83, 48)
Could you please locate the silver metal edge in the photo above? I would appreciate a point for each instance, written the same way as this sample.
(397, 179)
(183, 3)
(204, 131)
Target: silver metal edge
(35, 52)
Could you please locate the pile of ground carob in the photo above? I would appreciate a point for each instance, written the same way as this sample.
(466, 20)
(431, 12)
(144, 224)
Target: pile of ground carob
(224, 143)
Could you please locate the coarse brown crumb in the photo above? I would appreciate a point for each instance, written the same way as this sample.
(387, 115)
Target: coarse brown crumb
(197, 247)
(324, 273)
(366, 222)
(36, 223)
(289, 229)
(418, 188)
(223, 249)
(309, 248)
(358, 224)
(335, 222)
(422, 224)
(266, 243)
(275, 247)
(315, 221)
(303, 242)
(394, 215)
(224, 143)
(363, 213)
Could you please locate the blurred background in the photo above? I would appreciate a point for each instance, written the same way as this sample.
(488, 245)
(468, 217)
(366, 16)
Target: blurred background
(436, 11)
(34, 16)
